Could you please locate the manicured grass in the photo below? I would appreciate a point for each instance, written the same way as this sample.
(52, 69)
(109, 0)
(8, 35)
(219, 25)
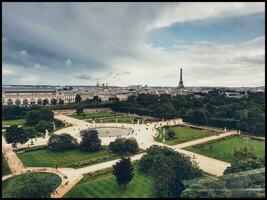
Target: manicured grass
(9, 186)
(48, 158)
(183, 134)
(5, 168)
(105, 186)
(14, 122)
(223, 149)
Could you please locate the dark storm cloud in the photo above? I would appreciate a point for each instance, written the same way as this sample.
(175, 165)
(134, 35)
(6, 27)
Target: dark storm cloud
(91, 35)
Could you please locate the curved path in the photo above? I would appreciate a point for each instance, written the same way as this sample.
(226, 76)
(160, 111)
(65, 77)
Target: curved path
(143, 133)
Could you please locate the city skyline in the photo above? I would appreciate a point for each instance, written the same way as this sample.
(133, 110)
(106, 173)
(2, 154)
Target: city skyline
(216, 44)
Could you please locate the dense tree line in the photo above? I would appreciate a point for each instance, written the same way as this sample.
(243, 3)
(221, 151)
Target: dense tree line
(246, 114)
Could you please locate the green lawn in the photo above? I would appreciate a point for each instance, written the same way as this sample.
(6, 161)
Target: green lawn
(5, 168)
(183, 134)
(9, 186)
(223, 149)
(105, 186)
(72, 158)
(14, 122)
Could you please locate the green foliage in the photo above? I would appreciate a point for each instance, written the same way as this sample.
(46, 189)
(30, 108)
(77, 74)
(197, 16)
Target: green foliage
(34, 116)
(15, 134)
(79, 110)
(220, 152)
(30, 132)
(30, 185)
(124, 146)
(248, 161)
(90, 140)
(42, 125)
(13, 112)
(59, 123)
(247, 113)
(170, 135)
(235, 185)
(61, 142)
(168, 168)
(123, 171)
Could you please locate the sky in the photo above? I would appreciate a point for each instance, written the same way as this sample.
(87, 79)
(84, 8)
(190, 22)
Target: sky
(121, 44)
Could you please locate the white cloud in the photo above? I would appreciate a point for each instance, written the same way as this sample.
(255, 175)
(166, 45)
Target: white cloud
(109, 37)
(68, 62)
(7, 71)
(23, 53)
(188, 11)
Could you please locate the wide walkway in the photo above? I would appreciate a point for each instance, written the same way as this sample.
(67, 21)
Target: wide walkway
(143, 133)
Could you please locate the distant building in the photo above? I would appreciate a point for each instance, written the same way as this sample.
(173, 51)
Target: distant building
(26, 96)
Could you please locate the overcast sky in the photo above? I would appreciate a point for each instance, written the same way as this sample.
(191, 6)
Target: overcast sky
(216, 44)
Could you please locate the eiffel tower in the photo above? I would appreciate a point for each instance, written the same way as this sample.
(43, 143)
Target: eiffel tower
(181, 84)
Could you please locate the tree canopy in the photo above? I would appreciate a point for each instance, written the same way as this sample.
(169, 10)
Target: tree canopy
(63, 141)
(123, 171)
(90, 140)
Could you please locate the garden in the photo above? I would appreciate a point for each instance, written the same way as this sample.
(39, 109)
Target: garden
(64, 151)
(180, 134)
(109, 117)
(104, 185)
(223, 149)
(28, 185)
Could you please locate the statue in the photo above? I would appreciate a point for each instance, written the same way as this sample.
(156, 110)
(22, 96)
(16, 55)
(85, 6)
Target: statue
(46, 132)
(54, 126)
(225, 129)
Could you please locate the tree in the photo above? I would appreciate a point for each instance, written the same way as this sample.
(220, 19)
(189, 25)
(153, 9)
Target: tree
(13, 112)
(59, 123)
(124, 146)
(168, 168)
(117, 146)
(123, 171)
(46, 114)
(42, 125)
(30, 132)
(90, 140)
(79, 110)
(32, 117)
(32, 185)
(63, 141)
(15, 134)
(78, 98)
(131, 146)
